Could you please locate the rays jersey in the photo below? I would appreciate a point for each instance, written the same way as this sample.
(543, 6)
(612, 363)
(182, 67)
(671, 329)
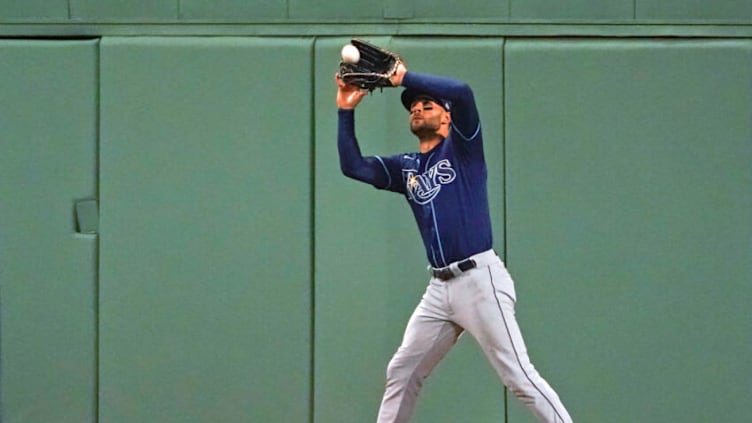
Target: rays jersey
(446, 186)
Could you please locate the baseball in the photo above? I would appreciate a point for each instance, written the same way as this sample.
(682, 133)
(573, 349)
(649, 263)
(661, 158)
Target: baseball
(350, 54)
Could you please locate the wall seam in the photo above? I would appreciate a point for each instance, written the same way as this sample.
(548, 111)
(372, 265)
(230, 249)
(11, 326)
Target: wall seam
(312, 350)
(504, 181)
(97, 267)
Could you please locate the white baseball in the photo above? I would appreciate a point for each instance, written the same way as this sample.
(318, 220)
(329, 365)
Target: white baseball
(350, 54)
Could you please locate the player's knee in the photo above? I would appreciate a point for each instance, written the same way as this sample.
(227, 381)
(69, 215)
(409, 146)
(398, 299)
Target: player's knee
(518, 382)
(520, 392)
(402, 372)
(397, 370)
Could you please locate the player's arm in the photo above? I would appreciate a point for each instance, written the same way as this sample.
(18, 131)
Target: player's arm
(371, 170)
(465, 118)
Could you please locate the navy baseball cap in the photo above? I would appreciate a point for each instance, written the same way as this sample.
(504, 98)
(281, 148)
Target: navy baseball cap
(409, 96)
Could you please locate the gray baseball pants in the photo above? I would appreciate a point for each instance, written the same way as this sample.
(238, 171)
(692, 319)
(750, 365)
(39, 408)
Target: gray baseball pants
(481, 301)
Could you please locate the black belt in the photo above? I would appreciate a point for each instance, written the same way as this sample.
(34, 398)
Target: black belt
(445, 273)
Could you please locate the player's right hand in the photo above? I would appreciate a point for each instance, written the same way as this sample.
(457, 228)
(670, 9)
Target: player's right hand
(399, 73)
(348, 96)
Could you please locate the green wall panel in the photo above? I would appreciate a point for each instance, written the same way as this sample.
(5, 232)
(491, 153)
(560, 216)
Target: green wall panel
(334, 9)
(629, 232)
(370, 263)
(573, 9)
(107, 10)
(205, 218)
(334, 17)
(467, 9)
(29, 9)
(232, 10)
(731, 10)
(47, 271)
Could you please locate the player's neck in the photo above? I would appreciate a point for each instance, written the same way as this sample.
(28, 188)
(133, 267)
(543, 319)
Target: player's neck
(427, 144)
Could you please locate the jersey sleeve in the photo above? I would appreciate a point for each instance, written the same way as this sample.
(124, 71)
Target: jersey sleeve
(393, 168)
(465, 117)
(382, 173)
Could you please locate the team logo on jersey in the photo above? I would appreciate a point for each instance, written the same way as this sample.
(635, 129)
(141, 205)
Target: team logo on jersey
(423, 188)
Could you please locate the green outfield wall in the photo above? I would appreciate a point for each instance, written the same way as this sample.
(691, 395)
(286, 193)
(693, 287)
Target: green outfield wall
(178, 244)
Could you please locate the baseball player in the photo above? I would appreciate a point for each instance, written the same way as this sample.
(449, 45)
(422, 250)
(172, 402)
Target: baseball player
(470, 289)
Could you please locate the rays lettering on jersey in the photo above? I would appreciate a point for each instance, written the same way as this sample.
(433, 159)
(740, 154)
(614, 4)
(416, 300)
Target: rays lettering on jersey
(423, 188)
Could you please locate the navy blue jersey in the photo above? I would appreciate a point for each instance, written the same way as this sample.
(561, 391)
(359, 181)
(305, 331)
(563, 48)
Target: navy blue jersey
(446, 186)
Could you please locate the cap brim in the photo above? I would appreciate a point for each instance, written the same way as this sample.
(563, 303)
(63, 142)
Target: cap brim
(409, 96)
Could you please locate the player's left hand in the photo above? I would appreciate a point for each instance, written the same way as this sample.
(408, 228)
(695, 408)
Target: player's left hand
(348, 95)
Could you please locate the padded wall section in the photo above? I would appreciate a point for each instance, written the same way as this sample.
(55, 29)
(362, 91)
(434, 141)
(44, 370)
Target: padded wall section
(467, 9)
(593, 10)
(629, 230)
(370, 261)
(578, 12)
(206, 217)
(337, 9)
(30, 9)
(138, 10)
(233, 10)
(666, 10)
(47, 271)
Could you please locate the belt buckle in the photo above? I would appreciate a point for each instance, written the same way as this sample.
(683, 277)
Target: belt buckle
(467, 265)
(446, 273)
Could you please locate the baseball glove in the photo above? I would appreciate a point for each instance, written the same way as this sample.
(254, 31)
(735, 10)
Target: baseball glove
(373, 70)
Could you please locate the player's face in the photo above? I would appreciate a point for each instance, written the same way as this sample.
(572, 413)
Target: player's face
(426, 118)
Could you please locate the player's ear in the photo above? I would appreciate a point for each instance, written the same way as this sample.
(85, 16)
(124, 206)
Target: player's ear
(446, 118)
